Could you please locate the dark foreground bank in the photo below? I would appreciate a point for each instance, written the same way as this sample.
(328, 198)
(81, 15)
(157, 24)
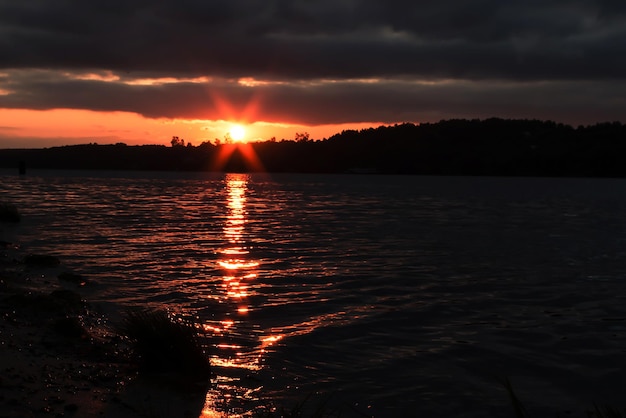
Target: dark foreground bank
(58, 357)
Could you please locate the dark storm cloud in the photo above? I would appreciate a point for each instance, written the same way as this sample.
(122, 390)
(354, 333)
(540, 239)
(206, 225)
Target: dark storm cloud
(557, 59)
(340, 38)
(323, 102)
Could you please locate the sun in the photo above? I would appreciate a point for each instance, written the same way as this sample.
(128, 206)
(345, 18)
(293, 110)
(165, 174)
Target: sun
(237, 133)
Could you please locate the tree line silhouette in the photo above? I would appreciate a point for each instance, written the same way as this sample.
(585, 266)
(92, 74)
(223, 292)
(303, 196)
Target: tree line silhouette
(504, 147)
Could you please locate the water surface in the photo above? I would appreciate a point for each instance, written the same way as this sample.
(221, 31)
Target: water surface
(389, 295)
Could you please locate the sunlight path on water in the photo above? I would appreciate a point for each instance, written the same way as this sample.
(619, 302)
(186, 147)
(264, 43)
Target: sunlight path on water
(233, 357)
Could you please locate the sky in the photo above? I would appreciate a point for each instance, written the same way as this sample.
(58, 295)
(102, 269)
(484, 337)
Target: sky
(140, 72)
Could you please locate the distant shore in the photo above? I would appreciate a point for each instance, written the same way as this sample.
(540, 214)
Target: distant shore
(490, 147)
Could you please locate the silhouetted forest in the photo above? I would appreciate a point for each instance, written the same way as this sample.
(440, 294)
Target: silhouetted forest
(452, 147)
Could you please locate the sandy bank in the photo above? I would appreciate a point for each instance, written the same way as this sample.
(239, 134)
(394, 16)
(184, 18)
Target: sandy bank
(59, 358)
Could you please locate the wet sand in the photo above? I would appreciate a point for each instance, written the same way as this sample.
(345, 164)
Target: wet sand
(59, 358)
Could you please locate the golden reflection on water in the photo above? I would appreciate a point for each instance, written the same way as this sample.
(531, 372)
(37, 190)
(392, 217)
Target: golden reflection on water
(237, 267)
(239, 272)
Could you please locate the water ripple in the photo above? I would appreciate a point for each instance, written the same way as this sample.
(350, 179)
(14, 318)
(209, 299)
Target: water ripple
(399, 294)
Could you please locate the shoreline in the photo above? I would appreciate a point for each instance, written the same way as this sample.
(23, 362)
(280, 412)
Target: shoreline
(59, 358)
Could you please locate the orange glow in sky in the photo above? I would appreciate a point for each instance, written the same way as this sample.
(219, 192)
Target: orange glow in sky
(21, 128)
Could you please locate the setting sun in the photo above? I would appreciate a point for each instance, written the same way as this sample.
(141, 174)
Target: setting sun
(237, 133)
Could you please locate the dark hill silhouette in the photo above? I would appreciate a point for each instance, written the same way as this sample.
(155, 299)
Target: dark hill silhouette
(452, 147)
